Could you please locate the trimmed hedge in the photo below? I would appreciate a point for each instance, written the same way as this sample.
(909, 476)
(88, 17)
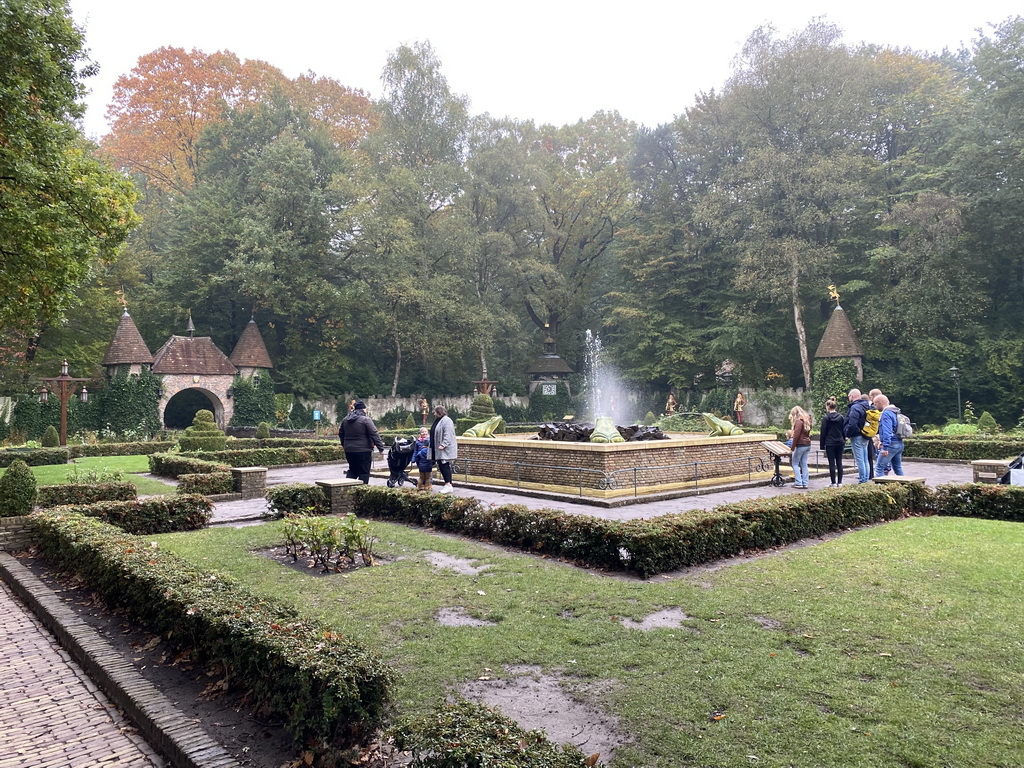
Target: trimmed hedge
(271, 457)
(119, 449)
(176, 465)
(962, 448)
(84, 493)
(35, 458)
(18, 490)
(248, 443)
(157, 514)
(331, 692)
(208, 484)
(646, 547)
(980, 500)
(297, 498)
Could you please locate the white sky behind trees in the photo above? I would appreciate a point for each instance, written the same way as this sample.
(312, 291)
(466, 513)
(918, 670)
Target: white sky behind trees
(555, 61)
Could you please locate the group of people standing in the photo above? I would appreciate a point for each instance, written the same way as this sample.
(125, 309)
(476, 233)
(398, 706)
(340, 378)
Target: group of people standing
(871, 425)
(435, 446)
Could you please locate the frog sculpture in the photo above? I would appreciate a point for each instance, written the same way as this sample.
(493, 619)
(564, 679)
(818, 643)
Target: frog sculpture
(720, 427)
(484, 428)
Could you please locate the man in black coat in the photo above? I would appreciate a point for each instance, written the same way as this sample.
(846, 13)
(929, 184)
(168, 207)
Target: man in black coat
(359, 436)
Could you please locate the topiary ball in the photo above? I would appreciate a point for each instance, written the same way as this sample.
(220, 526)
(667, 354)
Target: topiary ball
(262, 431)
(17, 490)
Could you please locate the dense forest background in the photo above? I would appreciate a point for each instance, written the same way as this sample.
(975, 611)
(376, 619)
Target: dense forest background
(406, 245)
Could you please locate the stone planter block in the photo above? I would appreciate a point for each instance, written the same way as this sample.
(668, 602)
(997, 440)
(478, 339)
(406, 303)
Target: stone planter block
(251, 482)
(339, 494)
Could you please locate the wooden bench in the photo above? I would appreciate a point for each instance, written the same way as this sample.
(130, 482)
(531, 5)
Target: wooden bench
(899, 479)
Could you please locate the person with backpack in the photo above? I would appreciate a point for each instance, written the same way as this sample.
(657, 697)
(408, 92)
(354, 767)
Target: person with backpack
(853, 428)
(890, 453)
(832, 441)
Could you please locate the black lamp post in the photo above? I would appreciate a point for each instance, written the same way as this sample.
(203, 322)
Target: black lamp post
(954, 372)
(64, 387)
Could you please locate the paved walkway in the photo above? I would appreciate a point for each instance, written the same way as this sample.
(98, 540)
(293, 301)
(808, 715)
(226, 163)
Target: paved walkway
(53, 716)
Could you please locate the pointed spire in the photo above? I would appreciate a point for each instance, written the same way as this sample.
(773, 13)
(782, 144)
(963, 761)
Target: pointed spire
(191, 328)
(127, 346)
(250, 351)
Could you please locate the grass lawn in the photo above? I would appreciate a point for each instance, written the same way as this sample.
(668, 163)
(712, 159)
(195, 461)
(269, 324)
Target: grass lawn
(898, 645)
(55, 474)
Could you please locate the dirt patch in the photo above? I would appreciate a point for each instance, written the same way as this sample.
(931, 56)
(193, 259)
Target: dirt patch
(457, 617)
(458, 564)
(670, 618)
(308, 566)
(767, 623)
(540, 702)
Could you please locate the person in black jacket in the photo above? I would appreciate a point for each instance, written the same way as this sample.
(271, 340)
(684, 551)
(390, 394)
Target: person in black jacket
(359, 436)
(832, 441)
(855, 419)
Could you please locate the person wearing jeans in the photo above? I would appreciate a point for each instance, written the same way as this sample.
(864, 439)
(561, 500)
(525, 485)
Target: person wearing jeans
(832, 441)
(855, 419)
(801, 422)
(890, 454)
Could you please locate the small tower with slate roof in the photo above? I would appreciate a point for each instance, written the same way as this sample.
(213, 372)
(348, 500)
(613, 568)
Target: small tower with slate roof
(127, 351)
(840, 341)
(250, 355)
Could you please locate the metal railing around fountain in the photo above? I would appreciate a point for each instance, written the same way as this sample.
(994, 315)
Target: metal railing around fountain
(619, 479)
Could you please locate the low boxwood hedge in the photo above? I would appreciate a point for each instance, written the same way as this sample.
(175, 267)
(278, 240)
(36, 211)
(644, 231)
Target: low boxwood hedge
(156, 514)
(272, 457)
(118, 449)
(962, 448)
(980, 500)
(176, 465)
(330, 691)
(297, 498)
(208, 484)
(84, 493)
(248, 443)
(37, 457)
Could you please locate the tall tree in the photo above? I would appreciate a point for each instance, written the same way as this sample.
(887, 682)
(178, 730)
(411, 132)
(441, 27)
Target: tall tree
(60, 208)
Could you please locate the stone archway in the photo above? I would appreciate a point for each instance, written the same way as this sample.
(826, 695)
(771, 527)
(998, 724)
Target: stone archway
(178, 409)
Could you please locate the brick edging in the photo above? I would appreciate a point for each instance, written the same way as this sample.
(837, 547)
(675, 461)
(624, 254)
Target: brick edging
(183, 742)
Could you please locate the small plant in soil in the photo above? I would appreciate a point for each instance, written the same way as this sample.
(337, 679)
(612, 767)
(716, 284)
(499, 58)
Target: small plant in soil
(333, 544)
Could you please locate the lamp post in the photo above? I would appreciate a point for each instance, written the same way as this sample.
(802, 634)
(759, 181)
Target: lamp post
(954, 372)
(64, 387)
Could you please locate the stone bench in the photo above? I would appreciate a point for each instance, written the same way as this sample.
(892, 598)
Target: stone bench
(989, 470)
(899, 479)
(338, 493)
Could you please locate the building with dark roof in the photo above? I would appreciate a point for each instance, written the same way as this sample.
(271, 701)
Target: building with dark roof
(548, 369)
(840, 341)
(127, 351)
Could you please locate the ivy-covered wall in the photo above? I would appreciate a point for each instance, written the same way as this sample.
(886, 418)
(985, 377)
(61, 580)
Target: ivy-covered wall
(254, 401)
(131, 405)
(833, 377)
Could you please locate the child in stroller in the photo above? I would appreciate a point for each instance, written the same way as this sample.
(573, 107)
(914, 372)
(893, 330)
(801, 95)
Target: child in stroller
(399, 456)
(422, 458)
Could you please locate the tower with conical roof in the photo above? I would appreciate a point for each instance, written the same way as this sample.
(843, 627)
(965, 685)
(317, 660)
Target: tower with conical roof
(127, 351)
(250, 355)
(840, 341)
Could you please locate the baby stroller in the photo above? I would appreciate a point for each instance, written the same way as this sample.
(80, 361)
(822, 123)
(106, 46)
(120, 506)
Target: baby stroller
(399, 456)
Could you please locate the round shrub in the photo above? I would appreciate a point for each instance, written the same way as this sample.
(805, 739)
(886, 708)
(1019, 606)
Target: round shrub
(203, 435)
(263, 431)
(50, 437)
(17, 490)
(986, 423)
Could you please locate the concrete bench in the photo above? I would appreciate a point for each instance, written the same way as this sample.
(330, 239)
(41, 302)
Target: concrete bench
(899, 479)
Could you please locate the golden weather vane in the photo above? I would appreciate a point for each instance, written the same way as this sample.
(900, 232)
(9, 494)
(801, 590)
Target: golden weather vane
(833, 294)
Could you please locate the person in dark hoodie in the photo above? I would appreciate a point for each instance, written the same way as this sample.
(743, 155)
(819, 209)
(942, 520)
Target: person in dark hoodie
(359, 436)
(832, 441)
(855, 419)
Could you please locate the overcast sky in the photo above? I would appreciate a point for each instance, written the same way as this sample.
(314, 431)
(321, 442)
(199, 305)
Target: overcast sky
(553, 62)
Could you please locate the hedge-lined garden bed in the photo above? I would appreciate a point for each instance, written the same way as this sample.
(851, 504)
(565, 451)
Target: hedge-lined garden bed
(646, 547)
(175, 465)
(331, 692)
(37, 457)
(961, 448)
(208, 484)
(84, 493)
(158, 514)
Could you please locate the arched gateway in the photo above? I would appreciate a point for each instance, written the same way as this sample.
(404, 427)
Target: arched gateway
(196, 375)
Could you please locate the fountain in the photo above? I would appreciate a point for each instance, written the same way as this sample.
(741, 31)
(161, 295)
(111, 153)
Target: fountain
(612, 472)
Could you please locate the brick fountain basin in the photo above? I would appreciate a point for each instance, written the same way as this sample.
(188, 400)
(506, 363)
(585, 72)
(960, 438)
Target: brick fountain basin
(614, 470)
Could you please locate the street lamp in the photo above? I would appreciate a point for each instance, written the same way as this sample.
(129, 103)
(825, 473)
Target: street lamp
(64, 387)
(954, 372)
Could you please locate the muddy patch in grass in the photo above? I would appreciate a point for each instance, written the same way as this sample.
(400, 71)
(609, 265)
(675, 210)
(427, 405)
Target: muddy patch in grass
(667, 618)
(460, 565)
(540, 701)
(457, 617)
(767, 623)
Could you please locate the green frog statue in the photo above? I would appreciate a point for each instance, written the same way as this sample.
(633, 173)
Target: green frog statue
(605, 431)
(484, 428)
(720, 427)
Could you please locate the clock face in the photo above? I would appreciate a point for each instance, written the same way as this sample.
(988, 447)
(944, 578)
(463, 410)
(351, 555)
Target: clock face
(548, 389)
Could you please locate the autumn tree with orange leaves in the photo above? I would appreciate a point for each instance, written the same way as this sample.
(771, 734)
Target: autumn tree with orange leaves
(161, 107)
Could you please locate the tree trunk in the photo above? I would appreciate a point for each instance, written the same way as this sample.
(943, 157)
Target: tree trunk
(398, 366)
(483, 362)
(801, 332)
